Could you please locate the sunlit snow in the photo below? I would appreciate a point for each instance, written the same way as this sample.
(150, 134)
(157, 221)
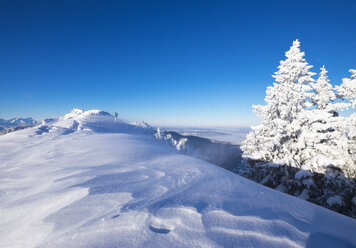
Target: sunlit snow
(85, 181)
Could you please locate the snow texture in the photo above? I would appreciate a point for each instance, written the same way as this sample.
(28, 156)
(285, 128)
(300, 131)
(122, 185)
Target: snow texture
(85, 181)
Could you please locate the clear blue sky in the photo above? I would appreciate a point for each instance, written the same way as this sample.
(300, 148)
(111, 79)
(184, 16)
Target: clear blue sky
(197, 63)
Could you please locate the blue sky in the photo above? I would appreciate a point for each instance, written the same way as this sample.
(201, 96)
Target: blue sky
(194, 63)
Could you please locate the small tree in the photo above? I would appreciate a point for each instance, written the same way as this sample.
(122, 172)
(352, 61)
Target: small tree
(323, 94)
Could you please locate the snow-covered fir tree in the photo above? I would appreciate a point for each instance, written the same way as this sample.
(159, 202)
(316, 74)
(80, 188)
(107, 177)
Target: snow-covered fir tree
(323, 94)
(323, 141)
(301, 133)
(352, 138)
(347, 90)
(286, 99)
(301, 126)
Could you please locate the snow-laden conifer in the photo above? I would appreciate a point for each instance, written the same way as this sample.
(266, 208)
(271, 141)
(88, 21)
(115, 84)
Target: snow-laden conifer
(323, 140)
(323, 94)
(347, 90)
(285, 101)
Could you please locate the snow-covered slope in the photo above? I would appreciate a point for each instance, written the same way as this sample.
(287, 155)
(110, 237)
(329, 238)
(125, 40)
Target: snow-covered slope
(85, 181)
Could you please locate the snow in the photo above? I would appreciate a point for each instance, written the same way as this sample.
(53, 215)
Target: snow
(335, 200)
(308, 182)
(167, 137)
(79, 113)
(273, 139)
(141, 124)
(274, 165)
(17, 122)
(303, 174)
(347, 90)
(85, 181)
(304, 195)
(301, 127)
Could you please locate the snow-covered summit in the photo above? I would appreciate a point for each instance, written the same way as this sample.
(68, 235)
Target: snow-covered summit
(79, 113)
(89, 120)
(23, 121)
(14, 124)
(17, 122)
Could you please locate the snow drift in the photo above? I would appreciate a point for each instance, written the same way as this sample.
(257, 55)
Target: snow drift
(83, 180)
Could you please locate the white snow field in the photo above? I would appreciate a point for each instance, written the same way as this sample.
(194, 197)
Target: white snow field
(85, 181)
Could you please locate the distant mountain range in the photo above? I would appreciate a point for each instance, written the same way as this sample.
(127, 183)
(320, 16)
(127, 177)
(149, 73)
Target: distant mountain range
(17, 122)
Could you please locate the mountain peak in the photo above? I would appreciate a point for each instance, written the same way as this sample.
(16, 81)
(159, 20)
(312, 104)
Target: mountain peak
(75, 113)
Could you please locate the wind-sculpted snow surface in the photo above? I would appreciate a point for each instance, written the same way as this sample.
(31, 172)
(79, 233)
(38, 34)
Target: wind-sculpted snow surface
(86, 181)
